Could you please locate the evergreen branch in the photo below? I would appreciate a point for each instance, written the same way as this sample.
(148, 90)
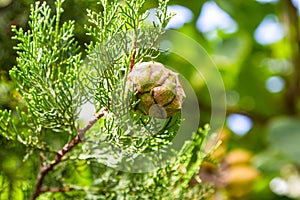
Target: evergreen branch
(82, 131)
(44, 170)
(47, 65)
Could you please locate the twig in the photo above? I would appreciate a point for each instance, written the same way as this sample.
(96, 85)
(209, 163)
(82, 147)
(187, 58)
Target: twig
(82, 131)
(41, 160)
(53, 190)
(60, 154)
(133, 56)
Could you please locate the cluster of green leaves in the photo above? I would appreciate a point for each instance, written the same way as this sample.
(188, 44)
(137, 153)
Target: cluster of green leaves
(50, 76)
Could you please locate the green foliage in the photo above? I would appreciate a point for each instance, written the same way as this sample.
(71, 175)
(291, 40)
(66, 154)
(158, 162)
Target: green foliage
(55, 81)
(244, 63)
(171, 181)
(23, 133)
(14, 13)
(122, 37)
(47, 67)
(119, 32)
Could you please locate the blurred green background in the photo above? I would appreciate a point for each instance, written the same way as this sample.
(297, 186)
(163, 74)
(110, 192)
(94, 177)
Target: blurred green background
(255, 44)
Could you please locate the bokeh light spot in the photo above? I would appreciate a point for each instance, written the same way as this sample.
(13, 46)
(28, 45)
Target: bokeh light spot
(267, 1)
(232, 97)
(269, 31)
(297, 5)
(182, 15)
(275, 84)
(213, 17)
(166, 46)
(4, 3)
(279, 186)
(239, 124)
(87, 111)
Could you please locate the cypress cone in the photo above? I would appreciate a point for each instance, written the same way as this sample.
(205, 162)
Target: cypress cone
(156, 89)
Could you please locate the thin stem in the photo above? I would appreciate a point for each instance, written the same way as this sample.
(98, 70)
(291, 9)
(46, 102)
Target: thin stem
(41, 159)
(53, 190)
(61, 153)
(133, 56)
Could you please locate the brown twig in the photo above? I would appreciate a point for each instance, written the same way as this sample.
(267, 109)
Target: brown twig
(53, 190)
(60, 154)
(133, 56)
